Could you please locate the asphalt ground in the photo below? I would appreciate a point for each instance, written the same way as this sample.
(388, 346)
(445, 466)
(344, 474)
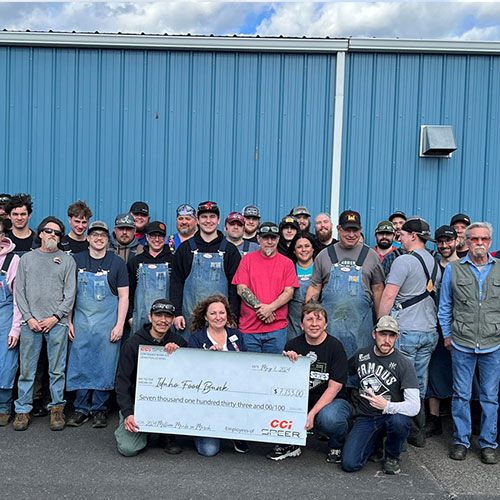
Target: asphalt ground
(83, 463)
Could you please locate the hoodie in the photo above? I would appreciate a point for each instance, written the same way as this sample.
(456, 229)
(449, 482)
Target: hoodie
(7, 246)
(126, 374)
(125, 252)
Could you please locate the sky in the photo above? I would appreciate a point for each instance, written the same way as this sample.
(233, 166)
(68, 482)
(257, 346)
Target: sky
(405, 19)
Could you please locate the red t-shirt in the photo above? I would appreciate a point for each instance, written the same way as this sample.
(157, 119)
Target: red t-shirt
(266, 278)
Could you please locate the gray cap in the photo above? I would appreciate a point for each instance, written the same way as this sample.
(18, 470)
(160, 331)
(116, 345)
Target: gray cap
(251, 211)
(98, 224)
(301, 210)
(387, 324)
(125, 220)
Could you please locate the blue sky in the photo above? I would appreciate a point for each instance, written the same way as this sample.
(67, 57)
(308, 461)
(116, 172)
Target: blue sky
(437, 20)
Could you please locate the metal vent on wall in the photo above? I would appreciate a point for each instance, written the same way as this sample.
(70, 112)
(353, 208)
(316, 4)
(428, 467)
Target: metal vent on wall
(437, 141)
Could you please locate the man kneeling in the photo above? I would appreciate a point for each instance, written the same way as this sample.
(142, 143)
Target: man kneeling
(389, 393)
(329, 409)
(128, 438)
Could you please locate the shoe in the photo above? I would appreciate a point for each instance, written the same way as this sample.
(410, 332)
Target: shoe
(57, 419)
(488, 455)
(100, 420)
(39, 409)
(323, 437)
(171, 447)
(21, 421)
(4, 419)
(241, 447)
(417, 439)
(77, 419)
(391, 466)
(433, 427)
(282, 451)
(458, 452)
(334, 456)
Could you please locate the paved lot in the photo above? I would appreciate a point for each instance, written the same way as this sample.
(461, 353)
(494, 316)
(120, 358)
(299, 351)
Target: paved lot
(83, 463)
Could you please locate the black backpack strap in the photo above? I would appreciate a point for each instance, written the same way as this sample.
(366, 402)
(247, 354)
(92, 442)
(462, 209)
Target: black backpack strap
(6, 262)
(333, 254)
(426, 293)
(362, 255)
(223, 245)
(246, 246)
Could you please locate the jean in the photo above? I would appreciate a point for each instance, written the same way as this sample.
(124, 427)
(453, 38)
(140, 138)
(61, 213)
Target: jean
(463, 367)
(418, 348)
(268, 342)
(29, 352)
(99, 399)
(360, 442)
(333, 420)
(208, 447)
(5, 400)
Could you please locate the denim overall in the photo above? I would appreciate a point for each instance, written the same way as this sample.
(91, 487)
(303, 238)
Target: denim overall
(9, 359)
(295, 308)
(153, 282)
(349, 308)
(206, 278)
(93, 358)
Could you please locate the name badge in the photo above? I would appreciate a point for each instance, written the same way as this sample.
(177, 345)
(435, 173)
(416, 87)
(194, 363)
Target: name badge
(345, 269)
(152, 266)
(207, 255)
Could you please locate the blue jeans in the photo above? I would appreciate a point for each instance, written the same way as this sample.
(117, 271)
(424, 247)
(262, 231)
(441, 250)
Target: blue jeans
(463, 366)
(29, 352)
(418, 348)
(99, 399)
(268, 342)
(5, 400)
(208, 447)
(360, 442)
(333, 420)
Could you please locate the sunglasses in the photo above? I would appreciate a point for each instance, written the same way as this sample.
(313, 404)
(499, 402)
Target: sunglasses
(162, 308)
(48, 230)
(477, 239)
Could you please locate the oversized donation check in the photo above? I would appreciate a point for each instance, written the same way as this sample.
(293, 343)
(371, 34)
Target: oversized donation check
(232, 395)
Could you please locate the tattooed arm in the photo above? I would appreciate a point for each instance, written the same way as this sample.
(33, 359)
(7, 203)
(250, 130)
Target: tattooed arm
(313, 293)
(248, 296)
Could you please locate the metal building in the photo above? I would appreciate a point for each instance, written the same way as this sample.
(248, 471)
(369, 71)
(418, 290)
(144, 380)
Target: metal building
(329, 123)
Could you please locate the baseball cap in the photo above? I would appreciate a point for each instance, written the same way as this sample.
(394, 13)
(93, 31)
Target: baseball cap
(162, 306)
(385, 226)
(251, 211)
(156, 227)
(445, 232)
(125, 220)
(296, 211)
(139, 207)
(186, 209)
(350, 218)
(460, 218)
(418, 225)
(98, 224)
(208, 206)
(289, 220)
(269, 229)
(235, 217)
(387, 324)
(398, 213)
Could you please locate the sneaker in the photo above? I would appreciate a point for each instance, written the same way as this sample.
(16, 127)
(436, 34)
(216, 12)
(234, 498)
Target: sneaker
(171, 447)
(391, 466)
(458, 452)
(488, 455)
(99, 421)
(282, 451)
(433, 426)
(241, 447)
(21, 421)
(57, 419)
(4, 419)
(77, 419)
(334, 456)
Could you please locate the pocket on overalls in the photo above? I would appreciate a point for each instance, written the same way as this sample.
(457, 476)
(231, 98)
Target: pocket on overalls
(99, 290)
(161, 280)
(215, 270)
(353, 285)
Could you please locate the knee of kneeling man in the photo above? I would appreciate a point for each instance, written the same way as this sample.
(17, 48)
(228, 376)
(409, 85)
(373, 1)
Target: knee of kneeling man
(127, 452)
(350, 467)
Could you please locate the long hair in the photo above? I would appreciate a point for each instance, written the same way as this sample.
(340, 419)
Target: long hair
(42, 224)
(309, 237)
(198, 320)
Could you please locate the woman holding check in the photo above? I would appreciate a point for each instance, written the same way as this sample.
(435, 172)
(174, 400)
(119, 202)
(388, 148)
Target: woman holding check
(210, 331)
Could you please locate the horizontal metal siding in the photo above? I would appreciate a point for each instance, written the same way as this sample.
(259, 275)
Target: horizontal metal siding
(388, 97)
(115, 126)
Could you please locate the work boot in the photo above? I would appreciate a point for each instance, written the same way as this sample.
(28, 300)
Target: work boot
(433, 427)
(417, 432)
(21, 421)
(57, 419)
(4, 419)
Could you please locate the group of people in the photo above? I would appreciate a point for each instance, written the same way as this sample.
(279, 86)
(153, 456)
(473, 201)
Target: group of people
(384, 328)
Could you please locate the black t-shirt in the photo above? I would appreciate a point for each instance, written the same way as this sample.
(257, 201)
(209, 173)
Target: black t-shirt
(328, 362)
(22, 244)
(70, 245)
(387, 376)
(462, 253)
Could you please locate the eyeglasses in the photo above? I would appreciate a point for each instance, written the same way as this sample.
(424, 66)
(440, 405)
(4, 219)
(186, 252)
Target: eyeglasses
(269, 229)
(156, 236)
(95, 234)
(477, 239)
(441, 243)
(48, 230)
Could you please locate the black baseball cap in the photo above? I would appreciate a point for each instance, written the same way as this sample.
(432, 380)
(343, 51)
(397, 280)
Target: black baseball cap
(139, 207)
(398, 213)
(418, 225)
(156, 227)
(269, 229)
(460, 218)
(350, 218)
(162, 306)
(290, 220)
(208, 206)
(445, 232)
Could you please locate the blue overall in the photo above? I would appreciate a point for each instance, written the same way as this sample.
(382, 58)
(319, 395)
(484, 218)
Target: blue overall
(93, 358)
(206, 278)
(295, 307)
(153, 282)
(349, 308)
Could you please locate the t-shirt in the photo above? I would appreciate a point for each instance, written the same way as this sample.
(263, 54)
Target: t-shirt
(462, 253)
(387, 376)
(252, 246)
(70, 245)
(371, 272)
(112, 264)
(22, 244)
(328, 362)
(266, 277)
(301, 272)
(407, 273)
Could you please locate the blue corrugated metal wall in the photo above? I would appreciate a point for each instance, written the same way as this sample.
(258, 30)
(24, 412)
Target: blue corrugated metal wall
(114, 126)
(388, 97)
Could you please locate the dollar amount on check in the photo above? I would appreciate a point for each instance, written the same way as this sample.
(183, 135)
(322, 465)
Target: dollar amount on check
(231, 395)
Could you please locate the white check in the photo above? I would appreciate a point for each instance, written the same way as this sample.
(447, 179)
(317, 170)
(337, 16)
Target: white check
(232, 395)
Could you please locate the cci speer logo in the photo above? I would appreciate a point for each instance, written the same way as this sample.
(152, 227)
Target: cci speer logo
(143, 348)
(282, 428)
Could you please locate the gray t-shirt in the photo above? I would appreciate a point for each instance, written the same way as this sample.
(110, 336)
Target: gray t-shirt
(251, 247)
(371, 272)
(45, 285)
(407, 273)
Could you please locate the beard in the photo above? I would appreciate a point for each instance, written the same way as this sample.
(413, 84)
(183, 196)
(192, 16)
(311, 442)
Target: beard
(50, 244)
(461, 242)
(384, 244)
(324, 236)
(268, 251)
(185, 232)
